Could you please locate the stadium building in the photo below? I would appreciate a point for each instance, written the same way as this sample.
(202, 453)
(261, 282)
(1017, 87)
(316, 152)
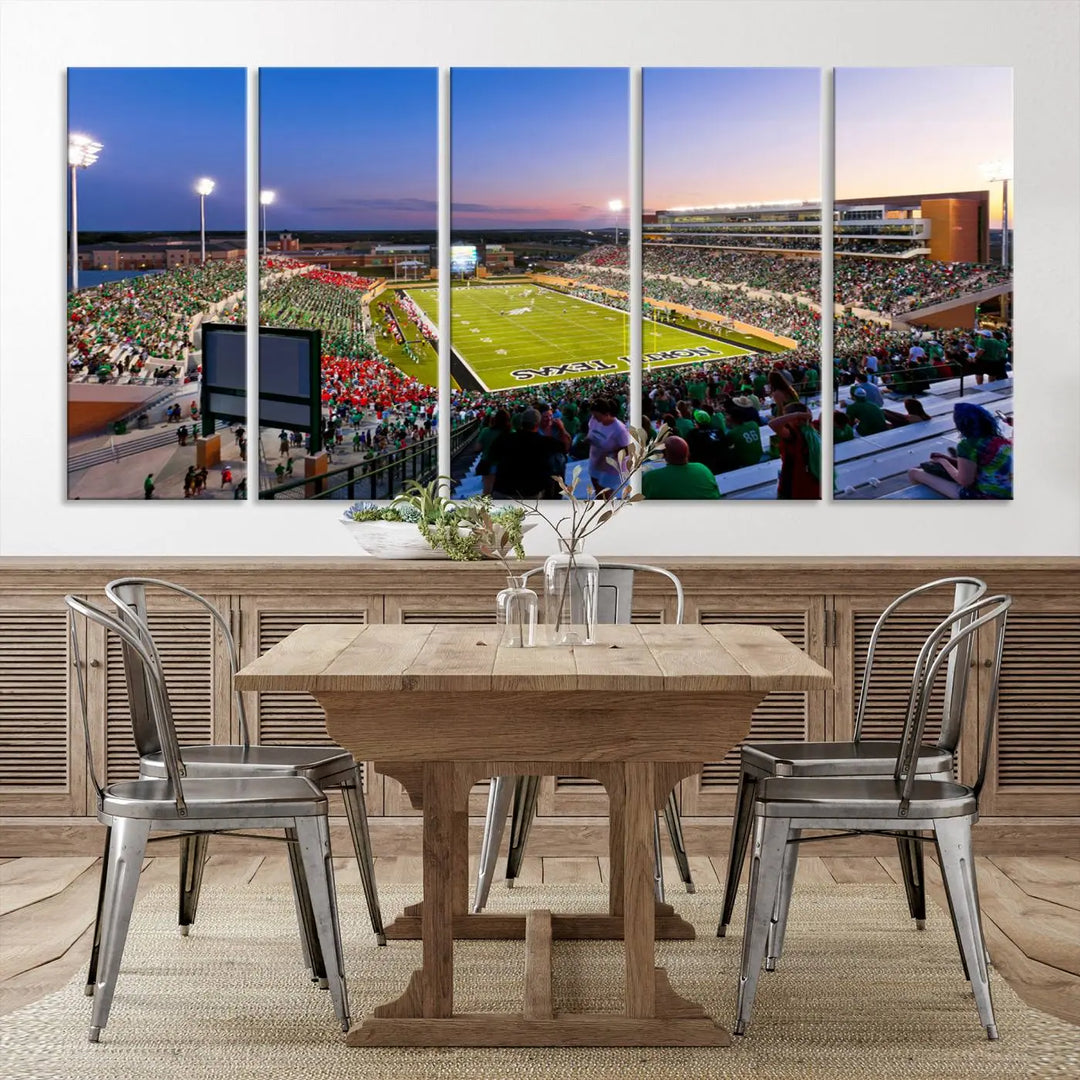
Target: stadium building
(948, 226)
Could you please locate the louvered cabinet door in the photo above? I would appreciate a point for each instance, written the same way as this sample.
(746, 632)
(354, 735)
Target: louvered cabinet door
(283, 718)
(437, 610)
(196, 669)
(783, 715)
(1034, 766)
(42, 755)
(894, 663)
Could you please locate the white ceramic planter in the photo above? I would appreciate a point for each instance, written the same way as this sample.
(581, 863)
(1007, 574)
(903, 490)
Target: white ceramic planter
(397, 539)
(392, 540)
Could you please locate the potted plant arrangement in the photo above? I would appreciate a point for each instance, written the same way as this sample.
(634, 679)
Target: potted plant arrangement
(422, 523)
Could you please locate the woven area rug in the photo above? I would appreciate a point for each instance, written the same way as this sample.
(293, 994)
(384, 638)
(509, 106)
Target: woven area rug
(859, 994)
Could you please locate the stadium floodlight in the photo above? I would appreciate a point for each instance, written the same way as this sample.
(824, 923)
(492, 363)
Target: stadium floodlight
(203, 187)
(993, 172)
(615, 206)
(82, 153)
(265, 199)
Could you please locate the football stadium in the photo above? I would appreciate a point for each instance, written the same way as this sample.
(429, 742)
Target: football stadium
(507, 336)
(731, 341)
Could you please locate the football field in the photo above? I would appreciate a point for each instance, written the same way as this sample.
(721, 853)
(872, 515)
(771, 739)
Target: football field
(525, 335)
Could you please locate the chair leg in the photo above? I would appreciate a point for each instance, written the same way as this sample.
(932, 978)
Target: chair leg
(526, 792)
(126, 851)
(911, 865)
(658, 861)
(741, 826)
(678, 845)
(500, 795)
(95, 949)
(783, 900)
(766, 864)
(953, 838)
(305, 919)
(356, 814)
(313, 834)
(192, 861)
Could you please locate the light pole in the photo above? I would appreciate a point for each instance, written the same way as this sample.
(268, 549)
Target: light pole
(615, 206)
(203, 187)
(82, 153)
(265, 199)
(993, 171)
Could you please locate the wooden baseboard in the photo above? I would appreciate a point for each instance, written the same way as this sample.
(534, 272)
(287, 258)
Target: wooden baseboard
(550, 837)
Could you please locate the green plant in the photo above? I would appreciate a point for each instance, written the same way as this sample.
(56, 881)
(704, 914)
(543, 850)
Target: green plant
(466, 531)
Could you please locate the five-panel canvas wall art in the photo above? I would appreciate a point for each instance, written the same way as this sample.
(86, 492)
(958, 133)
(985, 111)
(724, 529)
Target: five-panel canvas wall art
(901, 389)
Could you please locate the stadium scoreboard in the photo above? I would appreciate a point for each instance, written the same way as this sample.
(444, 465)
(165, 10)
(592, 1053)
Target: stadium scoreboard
(463, 259)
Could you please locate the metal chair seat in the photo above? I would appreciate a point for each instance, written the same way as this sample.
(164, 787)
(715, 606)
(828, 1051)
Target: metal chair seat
(856, 797)
(912, 809)
(319, 764)
(327, 766)
(859, 757)
(132, 810)
(284, 796)
(864, 758)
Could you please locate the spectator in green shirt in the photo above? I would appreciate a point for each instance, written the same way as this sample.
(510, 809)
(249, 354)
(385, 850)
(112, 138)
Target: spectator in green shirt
(744, 431)
(866, 417)
(679, 478)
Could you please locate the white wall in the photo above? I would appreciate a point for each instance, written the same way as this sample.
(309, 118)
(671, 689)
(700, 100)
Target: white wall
(1039, 40)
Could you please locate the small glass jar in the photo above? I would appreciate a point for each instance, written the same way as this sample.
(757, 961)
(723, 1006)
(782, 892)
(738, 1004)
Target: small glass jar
(516, 611)
(571, 594)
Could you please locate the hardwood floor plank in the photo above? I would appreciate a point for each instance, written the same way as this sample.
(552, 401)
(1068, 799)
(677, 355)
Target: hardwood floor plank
(572, 871)
(1047, 988)
(1044, 931)
(1056, 879)
(399, 870)
(849, 870)
(813, 871)
(26, 944)
(230, 870)
(30, 986)
(26, 881)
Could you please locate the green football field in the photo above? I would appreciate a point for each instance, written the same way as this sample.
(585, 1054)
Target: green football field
(526, 335)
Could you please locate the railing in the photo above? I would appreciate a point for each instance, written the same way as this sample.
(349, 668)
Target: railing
(116, 451)
(913, 381)
(380, 478)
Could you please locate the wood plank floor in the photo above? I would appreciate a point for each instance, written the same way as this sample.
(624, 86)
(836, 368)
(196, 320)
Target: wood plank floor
(1031, 908)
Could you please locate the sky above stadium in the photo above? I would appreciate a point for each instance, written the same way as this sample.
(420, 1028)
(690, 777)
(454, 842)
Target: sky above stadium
(714, 136)
(903, 131)
(161, 129)
(349, 148)
(539, 147)
(741, 135)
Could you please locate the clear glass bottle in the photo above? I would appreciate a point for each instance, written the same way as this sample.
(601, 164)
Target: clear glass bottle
(516, 611)
(571, 590)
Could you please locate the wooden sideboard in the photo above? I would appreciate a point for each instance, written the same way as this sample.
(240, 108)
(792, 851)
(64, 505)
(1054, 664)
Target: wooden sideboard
(1031, 801)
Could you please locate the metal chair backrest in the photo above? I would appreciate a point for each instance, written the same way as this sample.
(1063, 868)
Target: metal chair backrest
(616, 592)
(965, 591)
(145, 655)
(129, 596)
(947, 638)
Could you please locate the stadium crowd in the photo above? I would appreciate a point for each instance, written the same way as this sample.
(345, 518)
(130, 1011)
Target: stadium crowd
(143, 322)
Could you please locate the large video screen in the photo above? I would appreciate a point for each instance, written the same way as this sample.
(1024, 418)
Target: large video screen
(463, 259)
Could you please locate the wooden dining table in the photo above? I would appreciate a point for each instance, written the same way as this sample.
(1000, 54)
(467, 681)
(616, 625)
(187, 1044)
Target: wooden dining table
(440, 707)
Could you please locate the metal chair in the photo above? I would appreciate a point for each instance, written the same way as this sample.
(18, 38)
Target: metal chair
(901, 805)
(177, 804)
(860, 757)
(519, 793)
(327, 767)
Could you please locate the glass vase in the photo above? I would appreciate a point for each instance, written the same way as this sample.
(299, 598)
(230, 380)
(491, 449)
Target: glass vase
(571, 590)
(516, 608)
